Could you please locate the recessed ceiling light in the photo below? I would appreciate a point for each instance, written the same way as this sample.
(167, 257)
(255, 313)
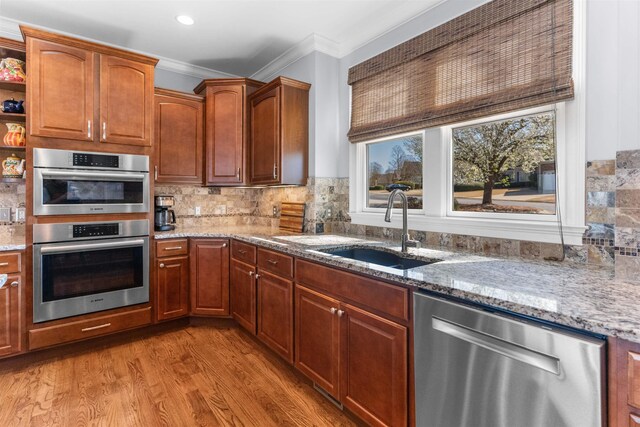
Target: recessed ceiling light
(184, 19)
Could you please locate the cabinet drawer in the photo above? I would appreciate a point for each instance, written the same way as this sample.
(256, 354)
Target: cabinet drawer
(275, 262)
(383, 297)
(171, 248)
(633, 376)
(82, 329)
(243, 252)
(10, 263)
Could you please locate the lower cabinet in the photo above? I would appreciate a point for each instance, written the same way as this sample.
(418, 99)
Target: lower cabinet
(624, 383)
(275, 313)
(10, 309)
(173, 287)
(209, 270)
(358, 357)
(243, 294)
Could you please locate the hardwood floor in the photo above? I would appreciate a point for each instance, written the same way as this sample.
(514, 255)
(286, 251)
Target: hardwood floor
(193, 376)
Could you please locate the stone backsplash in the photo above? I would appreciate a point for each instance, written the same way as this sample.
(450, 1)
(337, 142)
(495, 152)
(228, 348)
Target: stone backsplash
(12, 195)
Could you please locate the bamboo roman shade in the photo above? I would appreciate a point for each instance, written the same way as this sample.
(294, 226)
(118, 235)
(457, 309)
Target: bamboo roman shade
(502, 56)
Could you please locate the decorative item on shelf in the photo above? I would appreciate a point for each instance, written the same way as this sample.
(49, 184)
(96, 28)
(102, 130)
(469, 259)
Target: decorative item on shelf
(13, 167)
(12, 106)
(15, 137)
(12, 70)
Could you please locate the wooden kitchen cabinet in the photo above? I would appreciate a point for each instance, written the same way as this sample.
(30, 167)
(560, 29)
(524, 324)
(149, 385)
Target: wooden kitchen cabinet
(83, 91)
(226, 129)
(61, 84)
(209, 269)
(242, 286)
(279, 133)
(624, 383)
(10, 312)
(178, 137)
(356, 355)
(173, 287)
(275, 313)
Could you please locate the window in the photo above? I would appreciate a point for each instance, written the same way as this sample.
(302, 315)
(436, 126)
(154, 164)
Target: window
(395, 164)
(505, 166)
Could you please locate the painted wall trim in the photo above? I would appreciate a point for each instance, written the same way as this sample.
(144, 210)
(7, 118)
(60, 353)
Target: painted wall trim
(10, 29)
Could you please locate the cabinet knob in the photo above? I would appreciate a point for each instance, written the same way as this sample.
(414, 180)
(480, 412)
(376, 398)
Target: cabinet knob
(257, 276)
(333, 310)
(224, 245)
(251, 273)
(340, 313)
(161, 265)
(14, 284)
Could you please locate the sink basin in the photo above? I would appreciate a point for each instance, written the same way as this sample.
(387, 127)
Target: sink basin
(383, 258)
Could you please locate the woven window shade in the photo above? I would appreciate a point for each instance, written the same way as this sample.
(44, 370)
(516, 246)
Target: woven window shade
(502, 56)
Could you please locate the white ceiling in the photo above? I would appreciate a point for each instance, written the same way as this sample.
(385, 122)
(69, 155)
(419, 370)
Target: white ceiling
(238, 37)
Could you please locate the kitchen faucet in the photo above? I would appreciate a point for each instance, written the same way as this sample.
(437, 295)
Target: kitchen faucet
(406, 239)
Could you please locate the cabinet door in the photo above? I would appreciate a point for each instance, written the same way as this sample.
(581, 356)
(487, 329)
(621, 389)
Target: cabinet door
(317, 338)
(10, 296)
(225, 134)
(243, 294)
(374, 367)
(178, 140)
(265, 138)
(173, 287)
(275, 313)
(61, 91)
(209, 260)
(126, 101)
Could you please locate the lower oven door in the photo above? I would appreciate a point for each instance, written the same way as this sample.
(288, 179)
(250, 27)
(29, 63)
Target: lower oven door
(76, 278)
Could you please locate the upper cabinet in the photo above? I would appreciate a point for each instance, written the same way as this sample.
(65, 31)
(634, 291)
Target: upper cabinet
(226, 129)
(178, 137)
(279, 133)
(83, 91)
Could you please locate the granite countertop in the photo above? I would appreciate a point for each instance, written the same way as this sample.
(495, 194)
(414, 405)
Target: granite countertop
(14, 243)
(584, 297)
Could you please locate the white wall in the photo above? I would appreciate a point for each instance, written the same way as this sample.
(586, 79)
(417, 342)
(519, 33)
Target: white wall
(176, 81)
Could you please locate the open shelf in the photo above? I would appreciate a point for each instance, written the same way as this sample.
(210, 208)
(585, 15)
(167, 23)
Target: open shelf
(14, 86)
(13, 117)
(10, 147)
(10, 180)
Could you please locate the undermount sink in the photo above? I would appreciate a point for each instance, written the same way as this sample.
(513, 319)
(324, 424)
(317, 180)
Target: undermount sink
(375, 256)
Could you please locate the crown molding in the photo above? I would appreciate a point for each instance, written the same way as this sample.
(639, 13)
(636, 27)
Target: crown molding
(10, 29)
(312, 43)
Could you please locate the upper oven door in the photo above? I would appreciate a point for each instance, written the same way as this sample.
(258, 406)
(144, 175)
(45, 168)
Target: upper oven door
(69, 192)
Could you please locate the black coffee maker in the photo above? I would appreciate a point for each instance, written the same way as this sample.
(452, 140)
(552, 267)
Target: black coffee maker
(164, 217)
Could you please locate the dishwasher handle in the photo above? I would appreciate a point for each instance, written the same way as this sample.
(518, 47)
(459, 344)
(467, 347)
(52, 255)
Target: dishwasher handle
(497, 345)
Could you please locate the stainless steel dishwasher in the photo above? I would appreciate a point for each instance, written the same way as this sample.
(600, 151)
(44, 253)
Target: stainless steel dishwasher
(480, 367)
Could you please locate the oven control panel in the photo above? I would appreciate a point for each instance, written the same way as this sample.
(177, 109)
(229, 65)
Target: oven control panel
(95, 230)
(96, 160)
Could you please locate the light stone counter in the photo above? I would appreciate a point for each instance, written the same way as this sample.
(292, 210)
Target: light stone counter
(584, 297)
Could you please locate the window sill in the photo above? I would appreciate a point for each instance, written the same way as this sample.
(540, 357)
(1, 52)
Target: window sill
(535, 231)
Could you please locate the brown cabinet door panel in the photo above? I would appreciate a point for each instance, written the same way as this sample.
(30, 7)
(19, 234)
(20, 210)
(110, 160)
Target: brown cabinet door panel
(126, 101)
(225, 142)
(265, 138)
(374, 368)
(10, 308)
(173, 287)
(275, 313)
(243, 294)
(61, 91)
(317, 338)
(209, 269)
(178, 140)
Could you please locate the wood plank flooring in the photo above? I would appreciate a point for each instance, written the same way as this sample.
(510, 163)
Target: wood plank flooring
(193, 376)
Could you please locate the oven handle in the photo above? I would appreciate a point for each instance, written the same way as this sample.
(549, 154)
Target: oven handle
(96, 175)
(89, 246)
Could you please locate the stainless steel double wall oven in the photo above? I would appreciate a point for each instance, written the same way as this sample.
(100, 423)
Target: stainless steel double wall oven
(84, 267)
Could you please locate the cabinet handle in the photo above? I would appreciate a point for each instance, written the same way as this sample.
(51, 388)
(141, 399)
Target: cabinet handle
(251, 273)
(238, 174)
(4, 264)
(161, 265)
(257, 276)
(242, 251)
(340, 313)
(275, 171)
(272, 262)
(14, 284)
(93, 328)
(88, 128)
(173, 248)
(333, 310)
(104, 131)
(155, 173)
